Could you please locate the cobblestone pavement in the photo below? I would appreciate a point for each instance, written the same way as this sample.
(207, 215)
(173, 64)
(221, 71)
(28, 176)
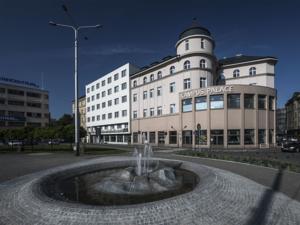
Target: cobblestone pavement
(220, 198)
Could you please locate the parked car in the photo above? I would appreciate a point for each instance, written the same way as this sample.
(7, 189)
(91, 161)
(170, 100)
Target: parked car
(292, 145)
(15, 143)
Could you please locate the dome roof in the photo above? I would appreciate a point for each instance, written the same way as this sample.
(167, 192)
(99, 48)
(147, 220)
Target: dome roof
(194, 30)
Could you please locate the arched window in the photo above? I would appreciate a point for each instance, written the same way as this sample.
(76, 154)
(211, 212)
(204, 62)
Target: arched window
(172, 69)
(202, 43)
(159, 75)
(186, 65)
(134, 83)
(252, 71)
(202, 63)
(145, 80)
(187, 46)
(236, 73)
(152, 77)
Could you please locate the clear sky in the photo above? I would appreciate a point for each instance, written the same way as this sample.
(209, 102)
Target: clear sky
(139, 32)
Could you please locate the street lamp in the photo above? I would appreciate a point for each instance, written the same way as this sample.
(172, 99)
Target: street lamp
(76, 29)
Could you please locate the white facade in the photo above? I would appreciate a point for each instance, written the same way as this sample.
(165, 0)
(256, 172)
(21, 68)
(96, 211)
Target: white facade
(108, 106)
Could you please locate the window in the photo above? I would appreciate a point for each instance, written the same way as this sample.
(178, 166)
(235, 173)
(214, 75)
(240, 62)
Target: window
(103, 105)
(88, 119)
(152, 77)
(109, 115)
(109, 91)
(103, 83)
(93, 118)
(172, 137)
(261, 102)
(109, 80)
(134, 97)
(200, 103)
(92, 88)
(116, 76)
(145, 95)
(97, 86)
(271, 103)
(159, 91)
(15, 92)
(124, 112)
(88, 99)
(98, 106)
(202, 63)
(124, 86)
(172, 108)
(116, 89)
(103, 116)
(202, 43)
(98, 96)
(271, 135)
(172, 87)
(135, 137)
(109, 103)
(93, 107)
(202, 82)
(187, 46)
(159, 111)
(88, 90)
(88, 108)
(252, 71)
(151, 93)
(216, 101)
(249, 101)
(134, 114)
(187, 105)
(116, 114)
(145, 80)
(201, 137)
(233, 101)
(234, 137)
(134, 83)
(33, 95)
(123, 73)
(124, 98)
(187, 137)
(2, 90)
(261, 136)
(217, 137)
(187, 83)
(103, 94)
(116, 101)
(98, 117)
(30, 104)
(145, 113)
(187, 65)
(151, 137)
(159, 75)
(172, 69)
(151, 111)
(236, 73)
(93, 97)
(249, 137)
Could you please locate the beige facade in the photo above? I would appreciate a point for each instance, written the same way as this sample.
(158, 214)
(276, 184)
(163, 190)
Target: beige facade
(293, 115)
(82, 111)
(23, 106)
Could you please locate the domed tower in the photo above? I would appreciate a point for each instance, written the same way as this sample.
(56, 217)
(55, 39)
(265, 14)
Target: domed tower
(196, 45)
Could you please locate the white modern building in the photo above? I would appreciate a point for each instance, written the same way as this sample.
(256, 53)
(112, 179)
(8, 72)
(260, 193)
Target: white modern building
(108, 107)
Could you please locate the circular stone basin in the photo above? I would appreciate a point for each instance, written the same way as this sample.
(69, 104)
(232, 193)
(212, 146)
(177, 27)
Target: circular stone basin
(118, 184)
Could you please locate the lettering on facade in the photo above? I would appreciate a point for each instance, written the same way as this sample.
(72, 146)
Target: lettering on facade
(207, 91)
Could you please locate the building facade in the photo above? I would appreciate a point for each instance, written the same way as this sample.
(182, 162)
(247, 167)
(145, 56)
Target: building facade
(193, 99)
(108, 107)
(22, 106)
(293, 115)
(81, 110)
(281, 122)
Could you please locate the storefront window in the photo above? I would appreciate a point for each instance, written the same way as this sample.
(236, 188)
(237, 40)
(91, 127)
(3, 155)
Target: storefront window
(217, 137)
(113, 138)
(145, 136)
(261, 102)
(172, 137)
(216, 101)
(187, 137)
(152, 137)
(187, 105)
(234, 137)
(249, 137)
(119, 138)
(261, 136)
(135, 137)
(161, 137)
(249, 101)
(233, 101)
(200, 103)
(201, 137)
(106, 138)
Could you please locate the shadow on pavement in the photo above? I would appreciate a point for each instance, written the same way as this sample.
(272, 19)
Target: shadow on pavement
(260, 212)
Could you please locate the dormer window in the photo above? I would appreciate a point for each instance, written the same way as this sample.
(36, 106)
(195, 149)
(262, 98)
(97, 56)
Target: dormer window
(187, 65)
(202, 63)
(159, 75)
(172, 69)
(202, 43)
(152, 77)
(236, 73)
(187, 46)
(252, 71)
(145, 80)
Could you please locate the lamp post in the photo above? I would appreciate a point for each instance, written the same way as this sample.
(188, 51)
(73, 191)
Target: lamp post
(75, 29)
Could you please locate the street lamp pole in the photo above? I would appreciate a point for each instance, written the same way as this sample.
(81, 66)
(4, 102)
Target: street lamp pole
(75, 29)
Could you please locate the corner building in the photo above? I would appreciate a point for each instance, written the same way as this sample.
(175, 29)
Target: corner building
(193, 99)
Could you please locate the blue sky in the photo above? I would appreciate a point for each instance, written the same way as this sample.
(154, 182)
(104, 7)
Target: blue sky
(139, 32)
